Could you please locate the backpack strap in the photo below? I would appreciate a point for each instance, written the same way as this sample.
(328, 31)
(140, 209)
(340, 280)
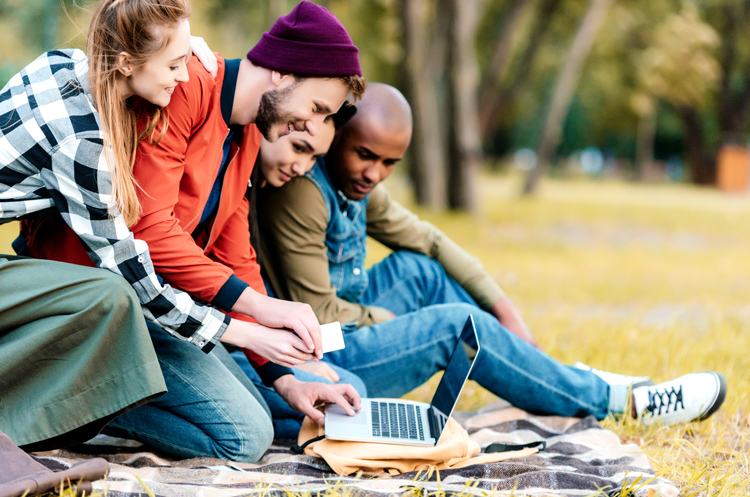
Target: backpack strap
(300, 449)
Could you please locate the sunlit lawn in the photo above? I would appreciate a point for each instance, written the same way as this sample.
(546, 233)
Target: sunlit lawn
(638, 279)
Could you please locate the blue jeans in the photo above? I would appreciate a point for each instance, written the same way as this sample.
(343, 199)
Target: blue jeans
(431, 310)
(286, 421)
(211, 408)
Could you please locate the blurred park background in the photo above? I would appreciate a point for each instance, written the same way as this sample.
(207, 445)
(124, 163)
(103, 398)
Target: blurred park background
(643, 90)
(593, 154)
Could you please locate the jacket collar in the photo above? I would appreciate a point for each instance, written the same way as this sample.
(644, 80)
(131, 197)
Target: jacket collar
(231, 69)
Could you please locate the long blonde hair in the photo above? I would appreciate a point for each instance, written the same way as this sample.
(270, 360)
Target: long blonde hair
(129, 26)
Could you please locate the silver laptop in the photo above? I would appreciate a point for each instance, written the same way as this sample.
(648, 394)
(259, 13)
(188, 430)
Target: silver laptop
(405, 422)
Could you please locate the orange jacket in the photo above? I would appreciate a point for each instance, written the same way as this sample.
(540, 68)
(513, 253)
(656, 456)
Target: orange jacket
(175, 178)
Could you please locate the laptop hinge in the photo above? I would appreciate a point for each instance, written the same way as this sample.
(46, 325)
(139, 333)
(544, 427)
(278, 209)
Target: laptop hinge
(433, 425)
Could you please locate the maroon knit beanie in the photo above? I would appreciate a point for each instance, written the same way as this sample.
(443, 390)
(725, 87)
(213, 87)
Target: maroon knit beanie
(308, 41)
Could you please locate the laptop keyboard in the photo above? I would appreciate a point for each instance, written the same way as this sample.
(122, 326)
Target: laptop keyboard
(396, 420)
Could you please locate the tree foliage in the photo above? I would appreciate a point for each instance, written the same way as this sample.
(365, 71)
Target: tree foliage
(663, 77)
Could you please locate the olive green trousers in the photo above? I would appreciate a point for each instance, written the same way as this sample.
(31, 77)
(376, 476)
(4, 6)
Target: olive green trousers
(74, 352)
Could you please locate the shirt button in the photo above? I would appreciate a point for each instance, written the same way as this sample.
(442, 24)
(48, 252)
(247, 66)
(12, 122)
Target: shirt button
(357, 271)
(140, 259)
(345, 214)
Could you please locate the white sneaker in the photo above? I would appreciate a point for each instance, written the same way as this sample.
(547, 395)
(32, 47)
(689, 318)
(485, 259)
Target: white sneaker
(617, 379)
(688, 398)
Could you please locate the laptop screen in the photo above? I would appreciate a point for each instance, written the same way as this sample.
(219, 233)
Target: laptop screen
(456, 374)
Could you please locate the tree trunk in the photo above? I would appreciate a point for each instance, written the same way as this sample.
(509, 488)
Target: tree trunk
(501, 58)
(644, 147)
(702, 170)
(496, 104)
(420, 75)
(564, 89)
(464, 149)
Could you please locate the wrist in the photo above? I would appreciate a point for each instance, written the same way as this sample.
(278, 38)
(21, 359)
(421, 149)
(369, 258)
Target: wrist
(240, 333)
(284, 383)
(248, 302)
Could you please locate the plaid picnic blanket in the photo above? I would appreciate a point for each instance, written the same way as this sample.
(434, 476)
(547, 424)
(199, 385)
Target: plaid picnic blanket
(581, 459)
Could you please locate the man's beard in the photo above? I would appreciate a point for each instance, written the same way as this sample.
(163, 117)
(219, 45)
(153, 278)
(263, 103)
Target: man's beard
(271, 113)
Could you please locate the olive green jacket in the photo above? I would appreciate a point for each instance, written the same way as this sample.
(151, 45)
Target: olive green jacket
(293, 221)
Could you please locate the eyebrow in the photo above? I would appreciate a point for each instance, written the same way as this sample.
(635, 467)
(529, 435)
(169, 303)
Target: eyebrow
(178, 58)
(324, 109)
(367, 150)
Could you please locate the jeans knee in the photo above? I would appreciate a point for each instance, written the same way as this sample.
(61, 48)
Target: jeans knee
(253, 439)
(420, 263)
(353, 380)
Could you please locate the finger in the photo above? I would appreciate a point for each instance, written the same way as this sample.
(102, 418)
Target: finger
(351, 394)
(304, 335)
(328, 372)
(313, 326)
(285, 363)
(204, 54)
(297, 356)
(333, 376)
(310, 411)
(306, 317)
(298, 343)
(214, 63)
(331, 395)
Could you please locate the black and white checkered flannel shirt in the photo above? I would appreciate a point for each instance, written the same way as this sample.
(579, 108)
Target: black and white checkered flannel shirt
(51, 156)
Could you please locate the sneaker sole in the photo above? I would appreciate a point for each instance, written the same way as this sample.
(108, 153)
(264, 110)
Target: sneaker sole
(718, 400)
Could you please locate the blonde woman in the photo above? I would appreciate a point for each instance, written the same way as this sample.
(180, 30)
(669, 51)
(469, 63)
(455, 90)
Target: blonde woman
(74, 351)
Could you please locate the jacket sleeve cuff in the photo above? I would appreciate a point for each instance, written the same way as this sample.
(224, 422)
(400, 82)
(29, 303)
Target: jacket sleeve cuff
(228, 294)
(270, 372)
(379, 315)
(208, 345)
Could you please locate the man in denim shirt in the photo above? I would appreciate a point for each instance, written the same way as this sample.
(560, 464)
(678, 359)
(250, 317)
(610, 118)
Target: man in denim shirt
(406, 312)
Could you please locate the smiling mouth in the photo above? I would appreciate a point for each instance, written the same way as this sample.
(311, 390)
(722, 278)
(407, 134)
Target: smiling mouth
(361, 188)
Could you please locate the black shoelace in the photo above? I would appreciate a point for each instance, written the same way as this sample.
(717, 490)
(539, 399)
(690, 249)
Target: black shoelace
(664, 401)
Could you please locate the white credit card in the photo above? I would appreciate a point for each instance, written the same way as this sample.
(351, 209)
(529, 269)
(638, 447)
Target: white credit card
(333, 338)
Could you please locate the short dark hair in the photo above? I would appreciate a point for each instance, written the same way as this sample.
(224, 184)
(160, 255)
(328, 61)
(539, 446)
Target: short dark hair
(355, 84)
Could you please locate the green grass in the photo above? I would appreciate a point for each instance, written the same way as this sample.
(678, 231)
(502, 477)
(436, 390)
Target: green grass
(637, 279)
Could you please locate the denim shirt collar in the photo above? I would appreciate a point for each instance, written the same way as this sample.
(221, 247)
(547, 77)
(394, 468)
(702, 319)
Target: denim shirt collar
(346, 236)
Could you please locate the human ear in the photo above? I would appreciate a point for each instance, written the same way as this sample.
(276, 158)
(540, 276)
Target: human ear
(281, 79)
(123, 64)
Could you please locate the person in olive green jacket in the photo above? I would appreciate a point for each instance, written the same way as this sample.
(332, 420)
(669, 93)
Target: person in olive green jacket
(404, 314)
(364, 153)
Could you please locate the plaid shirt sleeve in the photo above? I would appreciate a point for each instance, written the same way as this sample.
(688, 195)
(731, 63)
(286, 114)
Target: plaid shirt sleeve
(52, 155)
(78, 181)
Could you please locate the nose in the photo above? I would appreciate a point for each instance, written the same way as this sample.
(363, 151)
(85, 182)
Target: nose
(372, 173)
(182, 75)
(297, 168)
(313, 124)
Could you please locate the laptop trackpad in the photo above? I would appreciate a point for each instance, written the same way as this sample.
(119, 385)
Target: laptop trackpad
(342, 417)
